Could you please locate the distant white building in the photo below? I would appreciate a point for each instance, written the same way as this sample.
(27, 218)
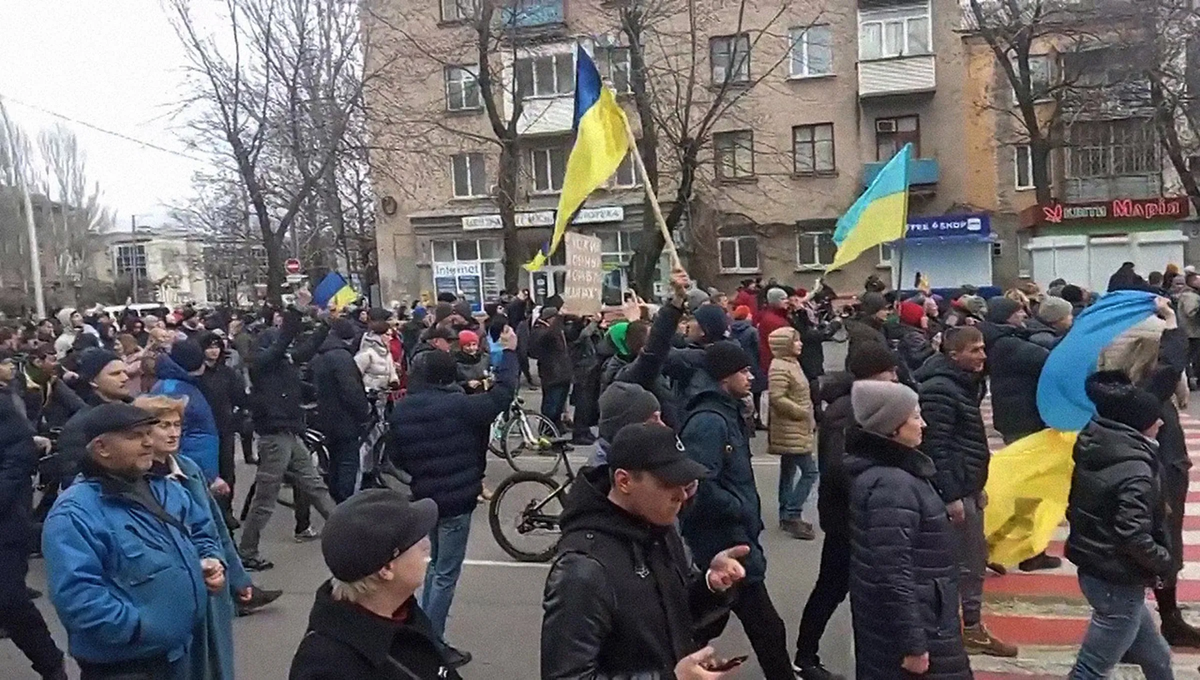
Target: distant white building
(167, 262)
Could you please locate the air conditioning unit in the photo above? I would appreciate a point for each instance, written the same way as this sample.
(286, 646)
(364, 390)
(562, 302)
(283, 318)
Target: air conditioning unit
(885, 126)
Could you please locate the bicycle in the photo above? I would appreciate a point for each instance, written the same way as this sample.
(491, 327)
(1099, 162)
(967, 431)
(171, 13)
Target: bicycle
(539, 498)
(517, 432)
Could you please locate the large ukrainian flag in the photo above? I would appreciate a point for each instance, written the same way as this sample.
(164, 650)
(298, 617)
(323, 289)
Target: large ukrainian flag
(880, 215)
(601, 143)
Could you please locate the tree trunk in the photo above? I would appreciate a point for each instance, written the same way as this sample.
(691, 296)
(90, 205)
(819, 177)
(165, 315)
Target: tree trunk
(273, 243)
(1168, 136)
(1039, 153)
(506, 202)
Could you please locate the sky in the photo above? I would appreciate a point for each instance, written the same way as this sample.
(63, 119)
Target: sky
(112, 64)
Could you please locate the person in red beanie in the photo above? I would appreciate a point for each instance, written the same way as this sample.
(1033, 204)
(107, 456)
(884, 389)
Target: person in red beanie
(473, 365)
(914, 344)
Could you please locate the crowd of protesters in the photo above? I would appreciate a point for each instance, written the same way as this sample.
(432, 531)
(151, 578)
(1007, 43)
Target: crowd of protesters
(131, 427)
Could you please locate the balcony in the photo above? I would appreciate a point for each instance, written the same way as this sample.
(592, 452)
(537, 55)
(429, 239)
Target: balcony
(897, 75)
(921, 171)
(536, 15)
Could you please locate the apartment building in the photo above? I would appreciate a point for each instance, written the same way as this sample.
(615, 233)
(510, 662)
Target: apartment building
(1114, 196)
(826, 93)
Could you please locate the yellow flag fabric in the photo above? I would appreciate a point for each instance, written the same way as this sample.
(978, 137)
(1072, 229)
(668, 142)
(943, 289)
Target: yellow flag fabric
(1028, 485)
(601, 143)
(879, 215)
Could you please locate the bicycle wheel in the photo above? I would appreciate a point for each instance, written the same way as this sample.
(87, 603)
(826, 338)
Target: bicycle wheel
(525, 455)
(496, 435)
(524, 516)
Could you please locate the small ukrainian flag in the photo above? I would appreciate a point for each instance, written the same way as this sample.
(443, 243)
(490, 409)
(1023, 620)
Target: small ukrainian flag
(333, 292)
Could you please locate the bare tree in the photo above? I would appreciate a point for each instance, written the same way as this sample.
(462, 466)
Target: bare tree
(81, 214)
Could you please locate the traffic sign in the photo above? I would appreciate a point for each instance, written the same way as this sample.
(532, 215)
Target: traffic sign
(292, 266)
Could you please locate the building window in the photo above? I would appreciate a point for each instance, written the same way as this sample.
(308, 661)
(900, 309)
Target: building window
(462, 89)
(729, 56)
(885, 254)
(811, 52)
(613, 64)
(470, 178)
(549, 167)
(815, 249)
(617, 248)
(130, 258)
(891, 134)
(626, 175)
(812, 149)
(470, 268)
(1024, 255)
(1113, 148)
(1041, 76)
(896, 32)
(457, 10)
(1023, 162)
(739, 254)
(549, 75)
(735, 154)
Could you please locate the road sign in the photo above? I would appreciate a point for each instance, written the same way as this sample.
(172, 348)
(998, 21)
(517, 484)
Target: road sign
(292, 266)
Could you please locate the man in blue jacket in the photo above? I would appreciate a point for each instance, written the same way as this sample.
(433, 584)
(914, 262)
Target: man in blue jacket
(440, 437)
(179, 378)
(130, 559)
(727, 510)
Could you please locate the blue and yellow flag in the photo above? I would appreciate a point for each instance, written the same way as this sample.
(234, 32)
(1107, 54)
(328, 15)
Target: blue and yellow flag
(601, 143)
(880, 215)
(333, 292)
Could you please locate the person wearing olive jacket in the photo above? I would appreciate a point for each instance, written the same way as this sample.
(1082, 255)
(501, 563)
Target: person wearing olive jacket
(903, 567)
(1118, 538)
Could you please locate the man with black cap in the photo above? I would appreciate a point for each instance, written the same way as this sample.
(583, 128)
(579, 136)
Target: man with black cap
(130, 558)
(621, 599)
(365, 623)
(103, 379)
(548, 345)
(225, 391)
(343, 410)
(1118, 539)
(868, 325)
(727, 510)
(436, 339)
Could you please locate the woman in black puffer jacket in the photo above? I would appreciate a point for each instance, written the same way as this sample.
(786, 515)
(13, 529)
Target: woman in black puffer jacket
(903, 571)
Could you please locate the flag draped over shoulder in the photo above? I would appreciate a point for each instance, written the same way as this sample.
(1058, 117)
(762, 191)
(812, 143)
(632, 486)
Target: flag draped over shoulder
(1029, 481)
(880, 215)
(333, 292)
(601, 143)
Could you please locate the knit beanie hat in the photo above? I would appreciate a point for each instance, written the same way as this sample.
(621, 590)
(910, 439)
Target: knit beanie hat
(882, 407)
(467, 338)
(723, 359)
(999, 309)
(1054, 309)
(973, 304)
(873, 303)
(712, 321)
(625, 404)
(1119, 400)
(696, 298)
(442, 311)
(343, 329)
(776, 296)
(439, 368)
(93, 360)
(463, 309)
(911, 313)
(188, 355)
(871, 359)
(741, 312)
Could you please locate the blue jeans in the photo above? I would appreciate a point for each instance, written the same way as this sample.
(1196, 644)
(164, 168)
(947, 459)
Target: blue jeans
(447, 550)
(1121, 626)
(554, 401)
(344, 455)
(793, 490)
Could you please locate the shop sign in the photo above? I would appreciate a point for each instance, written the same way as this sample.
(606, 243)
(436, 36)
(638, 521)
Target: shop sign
(474, 222)
(948, 225)
(1120, 209)
(456, 269)
(609, 213)
(544, 218)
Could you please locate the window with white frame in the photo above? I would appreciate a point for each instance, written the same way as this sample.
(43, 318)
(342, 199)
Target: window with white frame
(738, 254)
(885, 254)
(613, 65)
(811, 52)
(457, 10)
(626, 175)
(548, 75)
(734, 153)
(129, 258)
(815, 249)
(470, 176)
(1112, 148)
(549, 166)
(894, 32)
(486, 252)
(729, 56)
(462, 88)
(617, 248)
(1041, 76)
(1023, 166)
(812, 149)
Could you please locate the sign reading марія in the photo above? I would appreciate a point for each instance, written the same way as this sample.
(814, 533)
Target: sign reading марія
(1119, 209)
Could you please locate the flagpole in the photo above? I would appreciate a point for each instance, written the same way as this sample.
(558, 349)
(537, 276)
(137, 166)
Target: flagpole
(668, 242)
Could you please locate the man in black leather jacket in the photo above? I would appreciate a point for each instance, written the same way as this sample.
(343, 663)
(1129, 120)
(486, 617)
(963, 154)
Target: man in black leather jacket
(622, 599)
(1118, 536)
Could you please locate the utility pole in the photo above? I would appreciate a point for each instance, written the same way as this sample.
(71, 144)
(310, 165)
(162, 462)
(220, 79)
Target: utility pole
(133, 258)
(35, 266)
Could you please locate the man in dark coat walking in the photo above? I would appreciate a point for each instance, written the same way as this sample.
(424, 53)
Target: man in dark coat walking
(225, 392)
(903, 570)
(342, 407)
(548, 345)
(951, 388)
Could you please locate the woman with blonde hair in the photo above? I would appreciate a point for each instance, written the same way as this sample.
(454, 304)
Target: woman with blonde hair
(212, 643)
